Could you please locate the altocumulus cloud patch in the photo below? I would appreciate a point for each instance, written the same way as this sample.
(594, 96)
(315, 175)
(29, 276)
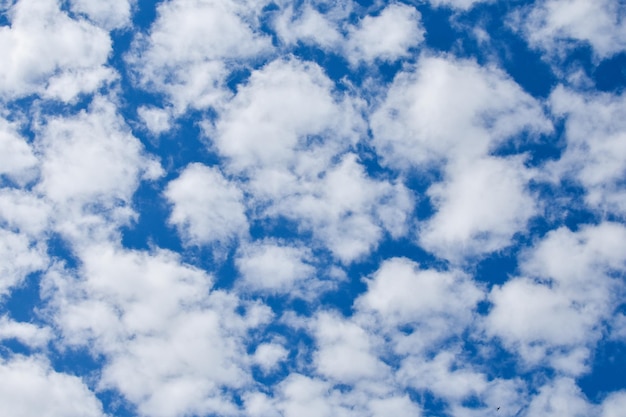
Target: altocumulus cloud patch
(312, 208)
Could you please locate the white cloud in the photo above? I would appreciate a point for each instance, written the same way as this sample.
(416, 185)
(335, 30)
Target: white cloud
(19, 256)
(26, 333)
(309, 26)
(170, 345)
(285, 131)
(451, 115)
(17, 160)
(112, 14)
(284, 106)
(434, 304)
(91, 165)
(46, 52)
(269, 355)
(387, 37)
(556, 25)
(560, 398)
(207, 208)
(457, 4)
(479, 206)
(157, 120)
(186, 53)
(302, 396)
(346, 210)
(444, 375)
(345, 352)
(555, 313)
(447, 109)
(595, 128)
(272, 267)
(614, 404)
(91, 157)
(29, 387)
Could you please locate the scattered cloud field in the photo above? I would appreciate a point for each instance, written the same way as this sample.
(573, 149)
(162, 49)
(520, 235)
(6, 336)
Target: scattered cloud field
(270, 208)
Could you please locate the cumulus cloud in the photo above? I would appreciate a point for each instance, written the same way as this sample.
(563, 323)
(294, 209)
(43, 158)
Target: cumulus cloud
(185, 54)
(595, 152)
(434, 304)
(90, 167)
(156, 120)
(307, 25)
(284, 131)
(29, 386)
(447, 109)
(19, 256)
(451, 115)
(109, 15)
(387, 36)
(207, 207)
(26, 333)
(273, 267)
(49, 53)
(555, 312)
(463, 5)
(557, 25)
(171, 345)
(479, 207)
(17, 160)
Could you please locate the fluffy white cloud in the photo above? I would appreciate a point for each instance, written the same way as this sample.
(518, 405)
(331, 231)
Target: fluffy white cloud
(308, 25)
(47, 52)
(157, 120)
(24, 212)
(26, 333)
(171, 345)
(457, 4)
(387, 36)
(91, 157)
(286, 108)
(444, 375)
(90, 167)
(186, 53)
(347, 210)
(110, 14)
(556, 25)
(29, 387)
(595, 128)
(19, 256)
(207, 207)
(268, 355)
(560, 398)
(286, 132)
(17, 160)
(479, 206)
(345, 352)
(614, 404)
(302, 396)
(447, 109)
(272, 267)
(434, 304)
(554, 314)
(451, 115)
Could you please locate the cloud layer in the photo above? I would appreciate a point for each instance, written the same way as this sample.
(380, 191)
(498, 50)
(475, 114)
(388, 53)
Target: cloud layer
(291, 209)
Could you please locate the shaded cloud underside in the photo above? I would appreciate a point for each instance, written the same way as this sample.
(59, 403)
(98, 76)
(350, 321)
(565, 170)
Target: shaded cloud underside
(253, 208)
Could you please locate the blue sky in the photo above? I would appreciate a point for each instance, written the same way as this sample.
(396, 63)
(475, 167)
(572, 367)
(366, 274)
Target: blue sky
(292, 209)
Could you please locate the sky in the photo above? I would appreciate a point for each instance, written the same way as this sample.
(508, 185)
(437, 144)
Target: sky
(271, 208)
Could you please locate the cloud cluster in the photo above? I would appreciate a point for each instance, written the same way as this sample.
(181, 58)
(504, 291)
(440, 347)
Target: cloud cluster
(279, 209)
